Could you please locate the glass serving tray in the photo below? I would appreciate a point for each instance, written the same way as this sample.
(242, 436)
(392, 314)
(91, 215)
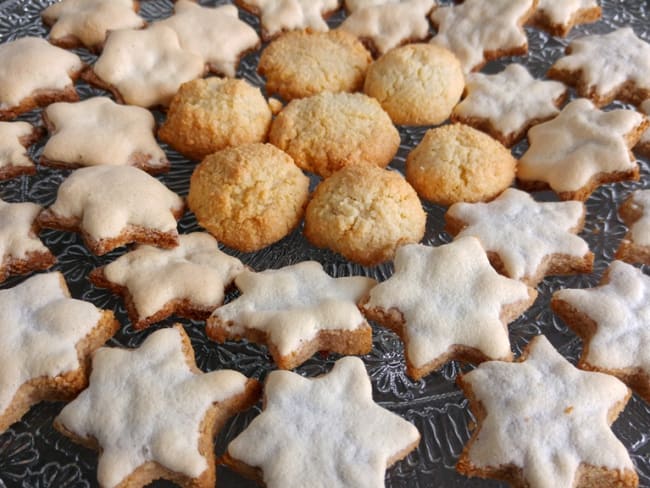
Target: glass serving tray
(33, 454)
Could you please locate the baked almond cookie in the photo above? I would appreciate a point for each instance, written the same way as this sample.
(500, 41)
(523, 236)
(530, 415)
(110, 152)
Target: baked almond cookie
(543, 422)
(296, 311)
(456, 163)
(46, 340)
(635, 212)
(643, 146)
(248, 196)
(558, 18)
(15, 137)
(34, 74)
(364, 213)
(323, 431)
(153, 414)
(329, 131)
(98, 131)
(505, 105)
(303, 63)
(111, 206)
(417, 84)
(581, 149)
(448, 303)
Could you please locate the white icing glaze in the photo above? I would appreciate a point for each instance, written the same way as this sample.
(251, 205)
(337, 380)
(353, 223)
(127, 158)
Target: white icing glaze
(546, 417)
(146, 404)
(560, 12)
(354, 5)
(12, 152)
(279, 15)
(325, 431)
(16, 236)
(640, 230)
(645, 108)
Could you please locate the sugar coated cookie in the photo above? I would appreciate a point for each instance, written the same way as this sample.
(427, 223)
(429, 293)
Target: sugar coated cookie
(643, 146)
(635, 212)
(15, 137)
(558, 18)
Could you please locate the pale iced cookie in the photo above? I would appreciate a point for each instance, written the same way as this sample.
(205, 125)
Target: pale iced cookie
(216, 34)
(364, 213)
(153, 414)
(353, 5)
(303, 63)
(98, 131)
(559, 17)
(15, 137)
(635, 212)
(456, 163)
(477, 31)
(86, 23)
(417, 84)
(144, 67)
(248, 196)
(643, 146)
(581, 149)
(111, 206)
(323, 431)
(542, 422)
(34, 74)
(507, 104)
(607, 67)
(46, 340)
(329, 131)
(524, 239)
(296, 311)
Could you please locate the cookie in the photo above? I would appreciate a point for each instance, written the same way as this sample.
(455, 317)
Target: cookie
(352, 6)
(543, 422)
(324, 431)
(581, 149)
(296, 311)
(299, 64)
(635, 212)
(163, 422)
(643, 146)
(111, 206)
(607, 67)
(211, 114)
(248, 196)
(329, 131)
(559, 18)
(46, 340)
(364, 213)
(456, 163)
(98, 131)
(505, 105)
(15, 137)
(417, 84)
(34, 74)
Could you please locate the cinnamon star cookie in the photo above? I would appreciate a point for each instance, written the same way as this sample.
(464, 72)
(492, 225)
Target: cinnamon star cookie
(635, 212)
(15, 137)
(559, 17)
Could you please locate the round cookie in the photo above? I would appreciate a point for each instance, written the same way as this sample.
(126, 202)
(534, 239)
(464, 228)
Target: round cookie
(417, 84)
(210, 114)
(328, 131)
(364, 213)
(456, 163)
(299, 64)
(248, 196)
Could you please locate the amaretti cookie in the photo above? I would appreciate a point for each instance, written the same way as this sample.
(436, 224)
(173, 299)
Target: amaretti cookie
(558, 18)
(15, 137)
(635, 212)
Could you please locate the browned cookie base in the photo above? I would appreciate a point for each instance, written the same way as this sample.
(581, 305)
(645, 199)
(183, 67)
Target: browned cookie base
(42, 98)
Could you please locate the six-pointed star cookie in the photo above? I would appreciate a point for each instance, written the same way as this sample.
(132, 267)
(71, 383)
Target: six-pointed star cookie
(559, 17)
(153, 413)
(14, 138)
(46, 339)
(525, 240)
(635, 211)
(643, 146)
(296, 310)
(607, 67)
(580, 149)
(544, 423)
(507, 104)
(447, 303)
(325, 431)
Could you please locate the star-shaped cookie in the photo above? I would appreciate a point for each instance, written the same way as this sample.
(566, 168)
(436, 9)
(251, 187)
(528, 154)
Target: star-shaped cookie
(524, 239)
(581, 149)
(46, 339)
(153, 414)
(635, 212)
(296, 310)
(542, 422)
(559, 17)
(324, 431)
(15, 137)
(447, 303)
(115, 205)
(607, 67)
(477, 31)
(643, 146)
(507, 104)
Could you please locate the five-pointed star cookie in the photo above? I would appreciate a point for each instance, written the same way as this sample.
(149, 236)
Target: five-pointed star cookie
(580, 149)
(447, 303)
(46, 339)
(635, 211)
(525, 240)
(325, 431)
(14, 138)
(607, 67)
(153, 413)
(544, 423)
(643, 146)
(559, 16)
(507, 104)
(296, 310)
